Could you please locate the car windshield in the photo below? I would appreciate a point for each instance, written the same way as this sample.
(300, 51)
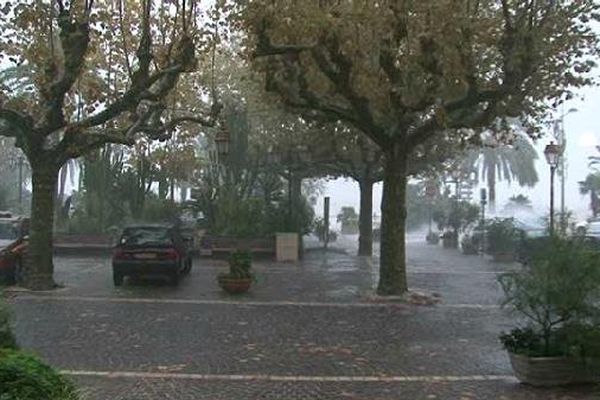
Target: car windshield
(147, 236)
(8, 231)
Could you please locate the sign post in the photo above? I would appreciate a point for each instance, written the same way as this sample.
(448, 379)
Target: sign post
(326, 221)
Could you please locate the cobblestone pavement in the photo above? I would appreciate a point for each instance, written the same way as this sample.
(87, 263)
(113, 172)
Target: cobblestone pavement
(306, 331)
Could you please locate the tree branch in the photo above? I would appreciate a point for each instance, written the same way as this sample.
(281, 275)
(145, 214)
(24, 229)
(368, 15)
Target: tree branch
(74, 38)
(14, 124)
(265, 47)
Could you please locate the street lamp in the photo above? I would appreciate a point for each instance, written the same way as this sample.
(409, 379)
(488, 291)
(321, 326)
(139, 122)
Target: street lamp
(552, 153)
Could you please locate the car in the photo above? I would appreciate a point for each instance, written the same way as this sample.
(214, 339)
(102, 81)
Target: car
(593, 229)
(148, 250)
(14, 239)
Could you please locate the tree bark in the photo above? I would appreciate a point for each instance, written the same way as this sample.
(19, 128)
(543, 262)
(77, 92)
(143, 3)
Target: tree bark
(365, 219)
(39, 269)
(392, 270)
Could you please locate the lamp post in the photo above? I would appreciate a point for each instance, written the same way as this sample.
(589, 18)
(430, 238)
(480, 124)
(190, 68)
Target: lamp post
(222, 141)
(552, 153)
(559, 135)
(483, 202)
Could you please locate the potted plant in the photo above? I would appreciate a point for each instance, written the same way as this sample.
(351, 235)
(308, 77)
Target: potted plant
(502, 237)
(239, 278)
(433, 238)
(469, 244)
(556, 295)
(454, 218)
(450, 239)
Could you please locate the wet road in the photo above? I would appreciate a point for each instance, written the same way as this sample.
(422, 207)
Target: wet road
(305, 331)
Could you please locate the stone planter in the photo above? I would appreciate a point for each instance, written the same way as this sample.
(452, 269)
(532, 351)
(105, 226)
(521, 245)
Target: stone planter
(432, 238)
(503, 257)
(450, 242)
(235, 285)
(553, 371)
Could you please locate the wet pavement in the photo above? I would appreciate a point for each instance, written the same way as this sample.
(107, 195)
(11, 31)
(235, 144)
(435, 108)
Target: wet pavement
(305, 331)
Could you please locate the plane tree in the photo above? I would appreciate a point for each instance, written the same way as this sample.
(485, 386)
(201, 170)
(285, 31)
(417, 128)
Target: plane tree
(405, 73)
(103, 72)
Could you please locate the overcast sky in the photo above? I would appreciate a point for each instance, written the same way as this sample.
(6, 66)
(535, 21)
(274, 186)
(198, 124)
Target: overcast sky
(583, 134)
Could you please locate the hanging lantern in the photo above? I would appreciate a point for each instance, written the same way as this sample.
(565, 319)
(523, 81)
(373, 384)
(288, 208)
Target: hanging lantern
(222, 141)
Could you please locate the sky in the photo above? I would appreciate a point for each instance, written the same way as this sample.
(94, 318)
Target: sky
(582, 129)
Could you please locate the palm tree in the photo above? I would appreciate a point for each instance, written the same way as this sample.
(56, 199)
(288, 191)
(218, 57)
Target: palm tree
(591, 186)
(515, 162)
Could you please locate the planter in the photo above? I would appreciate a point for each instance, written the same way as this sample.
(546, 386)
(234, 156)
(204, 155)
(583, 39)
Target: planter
(553, 371)
(235, 285)
(432, 238)
(450, 243)
(503, 257)
(470, 250)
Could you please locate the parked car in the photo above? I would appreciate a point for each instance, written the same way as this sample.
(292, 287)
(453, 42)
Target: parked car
(146, 250)
(593, 229)
(14, 233)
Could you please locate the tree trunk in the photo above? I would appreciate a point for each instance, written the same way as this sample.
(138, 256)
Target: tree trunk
(491, 178)
(365, 222)
(392, 270)
(295, 215)
(172, 190)
(39, 268)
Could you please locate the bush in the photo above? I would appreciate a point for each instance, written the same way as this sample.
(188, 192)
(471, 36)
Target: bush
(502, 236)
(7, 339)
(557, 293)
(240, 263)
(24, 377)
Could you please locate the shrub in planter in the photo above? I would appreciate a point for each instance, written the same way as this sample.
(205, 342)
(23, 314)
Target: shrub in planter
(239, 278)
(557, 294)
(469, 244)
(24, 377)
(502, 239)
(450, 239)
(433, 238)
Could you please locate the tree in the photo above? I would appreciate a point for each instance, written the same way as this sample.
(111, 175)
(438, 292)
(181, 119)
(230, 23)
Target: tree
(496, 163)
(103, 73)
(518, 202)
(408, 73)
(342, 150)
(349, 220)
(591, 186)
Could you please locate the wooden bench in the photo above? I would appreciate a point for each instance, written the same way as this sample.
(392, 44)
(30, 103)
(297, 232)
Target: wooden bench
(210, 245)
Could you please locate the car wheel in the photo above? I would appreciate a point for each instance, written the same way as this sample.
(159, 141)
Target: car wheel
(117, 278)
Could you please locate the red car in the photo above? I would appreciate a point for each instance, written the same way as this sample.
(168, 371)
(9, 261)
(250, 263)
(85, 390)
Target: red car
(13, 245)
